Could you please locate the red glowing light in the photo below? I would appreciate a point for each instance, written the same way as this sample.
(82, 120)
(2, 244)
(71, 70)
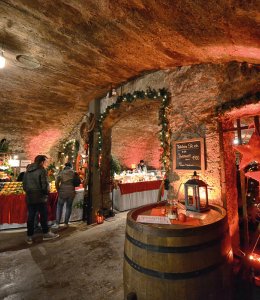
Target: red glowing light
(42, 143)
(254, 261)
(250, 152)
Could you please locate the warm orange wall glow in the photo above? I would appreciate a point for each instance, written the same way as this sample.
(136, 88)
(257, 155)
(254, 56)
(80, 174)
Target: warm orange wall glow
(43, 142)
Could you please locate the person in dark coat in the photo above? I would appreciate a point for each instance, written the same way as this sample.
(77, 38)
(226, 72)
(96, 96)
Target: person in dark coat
(36, 187)
(65, 183)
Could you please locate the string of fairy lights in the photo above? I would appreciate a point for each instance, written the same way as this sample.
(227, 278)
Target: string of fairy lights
(164, 134)
(70, 149)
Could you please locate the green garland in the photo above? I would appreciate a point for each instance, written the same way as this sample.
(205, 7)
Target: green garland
(70, 148)
(165, 134)
(237, 103)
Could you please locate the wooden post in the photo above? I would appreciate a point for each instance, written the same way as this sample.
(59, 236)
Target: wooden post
(93, 201)
(105, 169)
(222, 166)
(244, 206)
(239, 132)
(88, 195)
(257, 126)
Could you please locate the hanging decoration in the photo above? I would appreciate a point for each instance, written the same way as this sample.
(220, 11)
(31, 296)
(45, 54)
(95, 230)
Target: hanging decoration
(164, 134)
(250, 152)
(250, 162)
(87, 126)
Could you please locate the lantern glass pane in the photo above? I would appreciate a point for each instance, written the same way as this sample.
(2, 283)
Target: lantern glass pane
(203, 196)
(190, 195)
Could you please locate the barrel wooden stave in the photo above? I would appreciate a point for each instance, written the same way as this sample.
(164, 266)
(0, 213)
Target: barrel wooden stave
(211, 286)
(201, 266)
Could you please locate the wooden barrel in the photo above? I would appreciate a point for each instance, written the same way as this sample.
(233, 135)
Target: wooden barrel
(177, 261)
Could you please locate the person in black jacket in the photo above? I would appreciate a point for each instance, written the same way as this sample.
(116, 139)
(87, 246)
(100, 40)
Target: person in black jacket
(36, 187)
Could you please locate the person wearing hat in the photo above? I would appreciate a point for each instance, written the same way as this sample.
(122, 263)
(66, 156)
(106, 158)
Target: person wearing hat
(36, 187)
(65, 184)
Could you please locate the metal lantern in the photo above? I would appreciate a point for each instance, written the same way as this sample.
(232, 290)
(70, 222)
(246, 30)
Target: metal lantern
(196, 194)
(99, 217)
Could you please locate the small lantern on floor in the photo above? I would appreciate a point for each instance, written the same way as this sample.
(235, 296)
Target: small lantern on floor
(196, 194)
(99, 217)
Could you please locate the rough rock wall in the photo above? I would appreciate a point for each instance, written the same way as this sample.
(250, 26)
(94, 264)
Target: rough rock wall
(195, 92)
(136, 137)
(74, 134)
(15, 144)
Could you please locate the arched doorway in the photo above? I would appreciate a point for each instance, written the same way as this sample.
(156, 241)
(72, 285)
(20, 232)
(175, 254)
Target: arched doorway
(135, 137)
(132, 107)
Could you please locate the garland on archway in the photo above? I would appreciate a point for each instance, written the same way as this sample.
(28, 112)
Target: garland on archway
(249, 98)
(69, 151)
(165, 134)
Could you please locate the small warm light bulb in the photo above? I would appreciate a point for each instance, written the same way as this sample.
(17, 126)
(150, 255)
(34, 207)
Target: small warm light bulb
(251, 257)
(235, 141)
(2, 60)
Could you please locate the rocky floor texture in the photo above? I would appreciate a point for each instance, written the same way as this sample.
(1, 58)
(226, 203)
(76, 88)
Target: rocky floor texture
(85, 262)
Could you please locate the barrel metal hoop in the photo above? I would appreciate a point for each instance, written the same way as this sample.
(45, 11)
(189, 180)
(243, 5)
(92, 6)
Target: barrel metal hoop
(166, 249)
(175, 276)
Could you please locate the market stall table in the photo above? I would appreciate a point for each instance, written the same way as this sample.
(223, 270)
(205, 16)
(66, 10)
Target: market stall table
(132, 195)
(13, 209)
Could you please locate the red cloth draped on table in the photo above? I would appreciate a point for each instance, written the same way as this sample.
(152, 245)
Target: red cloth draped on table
(51, 204)
(128, 188)
(13, 208)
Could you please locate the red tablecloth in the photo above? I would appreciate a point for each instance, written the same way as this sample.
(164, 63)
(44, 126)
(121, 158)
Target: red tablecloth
(13, 208)
(128, 188)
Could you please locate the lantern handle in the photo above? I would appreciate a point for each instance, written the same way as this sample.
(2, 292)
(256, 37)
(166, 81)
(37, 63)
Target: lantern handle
(195, 175)
(177, 196)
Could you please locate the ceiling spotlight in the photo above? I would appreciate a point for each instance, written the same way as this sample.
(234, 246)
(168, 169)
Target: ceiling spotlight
(2, 60)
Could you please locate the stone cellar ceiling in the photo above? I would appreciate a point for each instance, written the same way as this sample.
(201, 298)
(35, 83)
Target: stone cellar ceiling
(62, 54)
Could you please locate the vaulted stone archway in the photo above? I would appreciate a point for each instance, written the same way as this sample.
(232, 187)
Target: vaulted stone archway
(143, 118)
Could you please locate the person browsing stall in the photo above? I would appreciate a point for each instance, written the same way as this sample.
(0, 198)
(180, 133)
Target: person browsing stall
(36, 187)
(141, 167)
(65, 184)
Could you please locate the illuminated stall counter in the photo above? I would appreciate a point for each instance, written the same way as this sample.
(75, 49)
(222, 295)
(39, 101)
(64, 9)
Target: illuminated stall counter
(131, 195)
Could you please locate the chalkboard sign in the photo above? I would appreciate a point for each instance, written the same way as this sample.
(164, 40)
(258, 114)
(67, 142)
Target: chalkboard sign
(189, 155)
